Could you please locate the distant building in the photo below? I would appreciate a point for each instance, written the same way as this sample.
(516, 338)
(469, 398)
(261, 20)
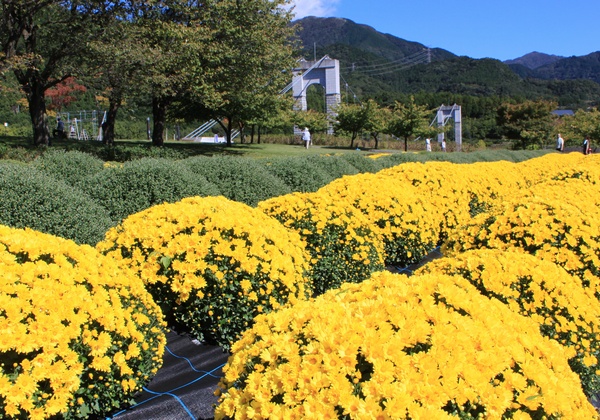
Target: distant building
(562, 112)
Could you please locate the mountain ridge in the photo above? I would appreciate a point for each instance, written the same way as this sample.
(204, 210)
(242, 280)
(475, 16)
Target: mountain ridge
(386, 67)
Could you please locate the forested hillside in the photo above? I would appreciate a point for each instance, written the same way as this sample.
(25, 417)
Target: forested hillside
(387, 68)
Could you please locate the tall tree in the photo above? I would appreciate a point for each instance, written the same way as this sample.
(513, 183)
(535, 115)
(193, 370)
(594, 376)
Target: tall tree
(582, 124)
(42, 43)
(409, 121)
(254, 61)
(529, 122)
(356, 118)
(179, 37)
(118, 63)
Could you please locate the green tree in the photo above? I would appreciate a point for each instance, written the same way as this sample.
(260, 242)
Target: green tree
(530, 122)
(43, 42)
(179, 37)
(377, 119)
(409, 121)
(315, 121)
(253, 44)
(582, 124)
(350, 119)
(118, 63)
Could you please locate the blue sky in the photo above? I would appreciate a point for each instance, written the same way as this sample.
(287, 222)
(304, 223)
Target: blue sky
(501, 29)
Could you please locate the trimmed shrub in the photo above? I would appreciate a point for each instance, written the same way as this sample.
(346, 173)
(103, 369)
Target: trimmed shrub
(239, 179)
(548, 228)
(459, 191)
(33, 199)
(137, 185)
(338, 237)
(408, 222)
(80, 335)
(70, 167)
(298, 173)
(398, 347)
(362, 163)
(334, 166)
(211, 263)
(542, 291)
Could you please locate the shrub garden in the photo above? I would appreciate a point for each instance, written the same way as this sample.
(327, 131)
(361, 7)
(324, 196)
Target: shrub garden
(288, 275)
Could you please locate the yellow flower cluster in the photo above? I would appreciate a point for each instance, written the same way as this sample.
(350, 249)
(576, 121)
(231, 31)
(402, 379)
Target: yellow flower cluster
(540, 290)
(79, 333)
(408, 223)
(212, 263)
(397, 347)
(458, 191)
(375, 156)
(342, 246)
(557, 222)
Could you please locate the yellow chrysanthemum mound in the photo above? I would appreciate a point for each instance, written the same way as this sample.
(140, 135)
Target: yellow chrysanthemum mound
(211, 263)
(80, 335)
(408, 221)
(541, 290)
(560, 166)
(459, 191)
(550, 228)
(342, 245)
(428, 346)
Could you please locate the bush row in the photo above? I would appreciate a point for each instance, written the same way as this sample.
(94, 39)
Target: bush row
(76, 195)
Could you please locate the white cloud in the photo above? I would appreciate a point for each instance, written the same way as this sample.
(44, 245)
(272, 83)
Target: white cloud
(321, 8)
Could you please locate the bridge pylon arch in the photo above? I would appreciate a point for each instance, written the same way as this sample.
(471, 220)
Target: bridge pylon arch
(325, 72)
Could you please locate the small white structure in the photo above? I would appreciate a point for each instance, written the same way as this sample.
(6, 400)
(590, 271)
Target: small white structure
(214, 140)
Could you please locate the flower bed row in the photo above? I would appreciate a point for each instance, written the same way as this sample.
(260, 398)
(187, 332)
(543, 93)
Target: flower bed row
(294, 288)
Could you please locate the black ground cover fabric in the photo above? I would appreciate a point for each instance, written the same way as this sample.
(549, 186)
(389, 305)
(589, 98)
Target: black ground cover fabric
(184, 387)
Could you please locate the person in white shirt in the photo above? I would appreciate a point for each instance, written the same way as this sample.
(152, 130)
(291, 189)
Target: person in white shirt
(560, 143)
(306, 137)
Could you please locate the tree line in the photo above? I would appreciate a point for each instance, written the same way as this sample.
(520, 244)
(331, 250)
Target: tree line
(220, 59)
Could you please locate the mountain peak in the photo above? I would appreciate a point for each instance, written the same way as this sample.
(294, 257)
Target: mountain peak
(535, 59)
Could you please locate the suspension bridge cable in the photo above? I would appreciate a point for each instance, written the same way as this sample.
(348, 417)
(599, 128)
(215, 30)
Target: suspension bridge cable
(394, 66)
(387, 63)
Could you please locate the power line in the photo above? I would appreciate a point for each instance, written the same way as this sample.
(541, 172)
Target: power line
(388, 63)
(392, 66)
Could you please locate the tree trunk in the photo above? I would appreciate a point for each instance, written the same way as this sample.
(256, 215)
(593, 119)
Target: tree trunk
(227, 128)
(159, 113)
(108, 128)
(258, 136)
(242, 133)
(406, 144)
(376, 137)
(352, 140)
(252, 130)
(35, 91)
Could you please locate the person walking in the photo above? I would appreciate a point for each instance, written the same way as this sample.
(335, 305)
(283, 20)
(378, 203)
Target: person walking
(560, 143)
(428, 145)
(306, 137)
(586, 146)
(443, 145)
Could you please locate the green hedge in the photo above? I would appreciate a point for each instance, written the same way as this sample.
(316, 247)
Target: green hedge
(38, 201)
(362, 163)
(334, 166)
(240, 179)
(71, 167)
(128, 188)
(300, 174)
